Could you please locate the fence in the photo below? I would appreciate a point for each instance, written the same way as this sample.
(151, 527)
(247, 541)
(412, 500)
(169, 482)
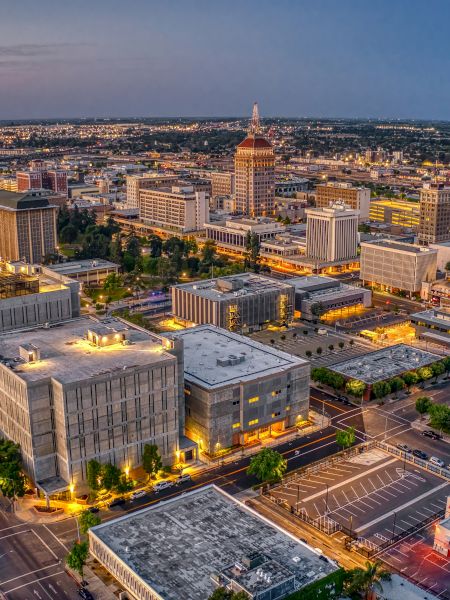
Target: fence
(410, 458)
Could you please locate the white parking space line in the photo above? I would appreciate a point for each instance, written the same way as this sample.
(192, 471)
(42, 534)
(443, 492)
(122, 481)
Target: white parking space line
(32, 582)
(44, 544)
(29, 573)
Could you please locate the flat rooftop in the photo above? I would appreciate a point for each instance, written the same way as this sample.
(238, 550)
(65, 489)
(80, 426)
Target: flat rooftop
(176, 546)
(384, 364)
(249, 284)
(215, 357)
(67, 356)
(399, 246)
(433, 316)
(81, 266)
(313, 282)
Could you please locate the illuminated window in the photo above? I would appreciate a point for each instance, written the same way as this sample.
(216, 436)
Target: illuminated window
(236, 425)
(254, 399)
(275, 414)
(288, 408)
(276, 392)
(253, 422)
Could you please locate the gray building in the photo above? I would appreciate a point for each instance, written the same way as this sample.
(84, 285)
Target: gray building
(433, 325)
(243, 303)
(185, 547)
(238, 390)
(88, 389)
(92, 271)
(29, 297)
(316, 296)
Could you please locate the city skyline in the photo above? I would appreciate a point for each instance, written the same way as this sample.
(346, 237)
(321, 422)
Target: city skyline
(327, 60)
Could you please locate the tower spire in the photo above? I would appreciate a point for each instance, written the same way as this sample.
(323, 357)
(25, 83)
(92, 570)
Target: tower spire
(254, 124)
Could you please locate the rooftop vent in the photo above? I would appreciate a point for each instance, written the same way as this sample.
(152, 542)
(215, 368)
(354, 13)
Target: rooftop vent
(29, 353)
(229, 285)
(230, 360)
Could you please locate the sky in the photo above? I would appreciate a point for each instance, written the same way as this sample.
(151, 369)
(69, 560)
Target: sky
(297, 58)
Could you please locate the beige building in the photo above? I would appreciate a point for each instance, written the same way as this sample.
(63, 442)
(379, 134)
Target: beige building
(357, 198)
(27, 226)
(88, 389)
(92, 271)
(396, 265)
(136, 183)
(434, 214)
(178, 208)
(400, 213)
(222, 183)
(331, 233)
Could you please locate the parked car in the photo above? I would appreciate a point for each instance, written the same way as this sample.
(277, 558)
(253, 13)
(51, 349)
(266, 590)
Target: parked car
(138, 494)
(183, 479)
(403, 447)
(85, 594)
(322, 331)
(342, 398)
(117, 502)
(162, 485)
(93, 509)
(431, 434)
(420, 454)
(434, 460)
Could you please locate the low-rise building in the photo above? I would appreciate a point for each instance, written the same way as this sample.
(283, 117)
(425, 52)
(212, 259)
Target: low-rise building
(433, 325)
(232, 234)
(395, 265)
(238, 390)
(399, 213)
(188, 545)
(91, 271)
(241, 303)
(443, 254)
(357, 198)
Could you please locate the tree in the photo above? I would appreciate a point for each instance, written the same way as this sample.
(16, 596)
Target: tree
(12, 479)
(366, 581)
(155, 244)
(94, 475)
(423, 404)
(380, 389)
(346, 437)
(267, 465)
(110, 476)
(424, 373)
(341, 345)
(151, 460)
(308, 353)
(446, 363)
(355, 387)
(112, 282)
(396, 384)
(330, 347)
(223, 593)
(439, 416)
(209, 253)
(68, 234)
(76, 559)
(437, 369)
(87, 520)
(317, 309)
(319, 350)
(252, 250)
(410, 378)
(447, 266)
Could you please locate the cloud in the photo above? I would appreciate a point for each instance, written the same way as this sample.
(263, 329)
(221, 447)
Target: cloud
(34, 50)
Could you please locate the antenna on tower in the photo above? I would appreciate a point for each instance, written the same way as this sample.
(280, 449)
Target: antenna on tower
(254, 124)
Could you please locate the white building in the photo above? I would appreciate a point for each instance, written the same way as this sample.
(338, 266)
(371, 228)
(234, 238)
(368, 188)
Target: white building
(332, 233)
(136, 183)
(443, 254)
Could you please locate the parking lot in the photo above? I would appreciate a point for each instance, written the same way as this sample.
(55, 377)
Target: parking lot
(373, 495)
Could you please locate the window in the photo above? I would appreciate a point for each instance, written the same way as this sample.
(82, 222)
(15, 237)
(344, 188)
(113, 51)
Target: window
(275, 414)
(236, 425)
(236, 402)
(253, 422)
(276, 392)
(288, 408)
(253, 399)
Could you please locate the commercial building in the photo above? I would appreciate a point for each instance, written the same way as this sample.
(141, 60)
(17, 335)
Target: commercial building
(41, 178)
(87, 389)
(397, 266)
(222, 183)
(88, 272)
(290, 186)
(238, 390)
(241, 303)
(442, 533)
(180, 209)
(400, 213)
(27, 226)
(433, 325)
(434, 214)
(187, 546)
(357, 198)
(443, 254)
(332, 233)
(136, 183)
(29, 297)
(232, 234)
(324, 297)
(254, 167)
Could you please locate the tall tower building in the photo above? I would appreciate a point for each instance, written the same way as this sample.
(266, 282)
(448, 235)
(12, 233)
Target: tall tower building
(332, 233)
(434, 224)
(254, 165)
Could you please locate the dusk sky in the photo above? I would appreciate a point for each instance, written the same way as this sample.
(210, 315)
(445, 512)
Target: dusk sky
(324, 58)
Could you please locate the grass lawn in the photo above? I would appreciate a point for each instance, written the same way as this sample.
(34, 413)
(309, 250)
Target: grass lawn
(113, 295)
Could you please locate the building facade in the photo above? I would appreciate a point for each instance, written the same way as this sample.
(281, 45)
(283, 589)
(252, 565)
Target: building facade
(233, 233)
(397, 266)
(222, 183)
(27, 225)
(400, 213)
(331, 233)
(434, 214)
(87, 272)
(136, 183)
(357, 198)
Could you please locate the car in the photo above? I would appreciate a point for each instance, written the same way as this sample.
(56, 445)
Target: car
(431, 434)
(420, 454)
(117, 502)
(162, 485)
(403, 447)
(322, 331)
(138, 494)
(85, 594)
(183, 479)
(93, 509)
(434, 460)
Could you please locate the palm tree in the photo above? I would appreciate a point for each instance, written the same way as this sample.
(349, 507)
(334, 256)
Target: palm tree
(367, 581)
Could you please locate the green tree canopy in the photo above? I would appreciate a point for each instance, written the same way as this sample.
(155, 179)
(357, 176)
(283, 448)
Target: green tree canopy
(440, 417)
(87, 520)
(110, 476)
(424, 373)
(267, 465)
(355, 387)
(151, 460)
(346, 437)
(365, 581)
(76, 559)
(423, 404)
(410, 378)
(94, 475)
(12, 479)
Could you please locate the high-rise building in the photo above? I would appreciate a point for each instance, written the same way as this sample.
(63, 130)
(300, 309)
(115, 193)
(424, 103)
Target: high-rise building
(254, 164)
(28, 180)
(357, 198)
(222, 183)
(39, 178)
(136, 183)
(332, 233)
(434, 214)
(56, 180)
(27, 226)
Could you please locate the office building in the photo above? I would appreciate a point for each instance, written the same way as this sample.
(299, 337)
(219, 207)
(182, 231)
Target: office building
(87, 389)
(178, 208)
(433, 325)
(27, 226)
(400, 213)
(357, 198)
(238, 390)
(232, 234)
(443, 255)
(434, 214)
(56, 180)
(187, 546)
(331, 233)
(136, 183)
(90, 272)
(41, 178)
(29, 297)
(396, 266)
(324, 297)
(254, 165)
(241, 303)
(222, 183)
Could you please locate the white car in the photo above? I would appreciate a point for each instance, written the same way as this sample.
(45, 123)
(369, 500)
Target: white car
(434, 460)
(162, 485)
(322, 331)
(138, 494)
